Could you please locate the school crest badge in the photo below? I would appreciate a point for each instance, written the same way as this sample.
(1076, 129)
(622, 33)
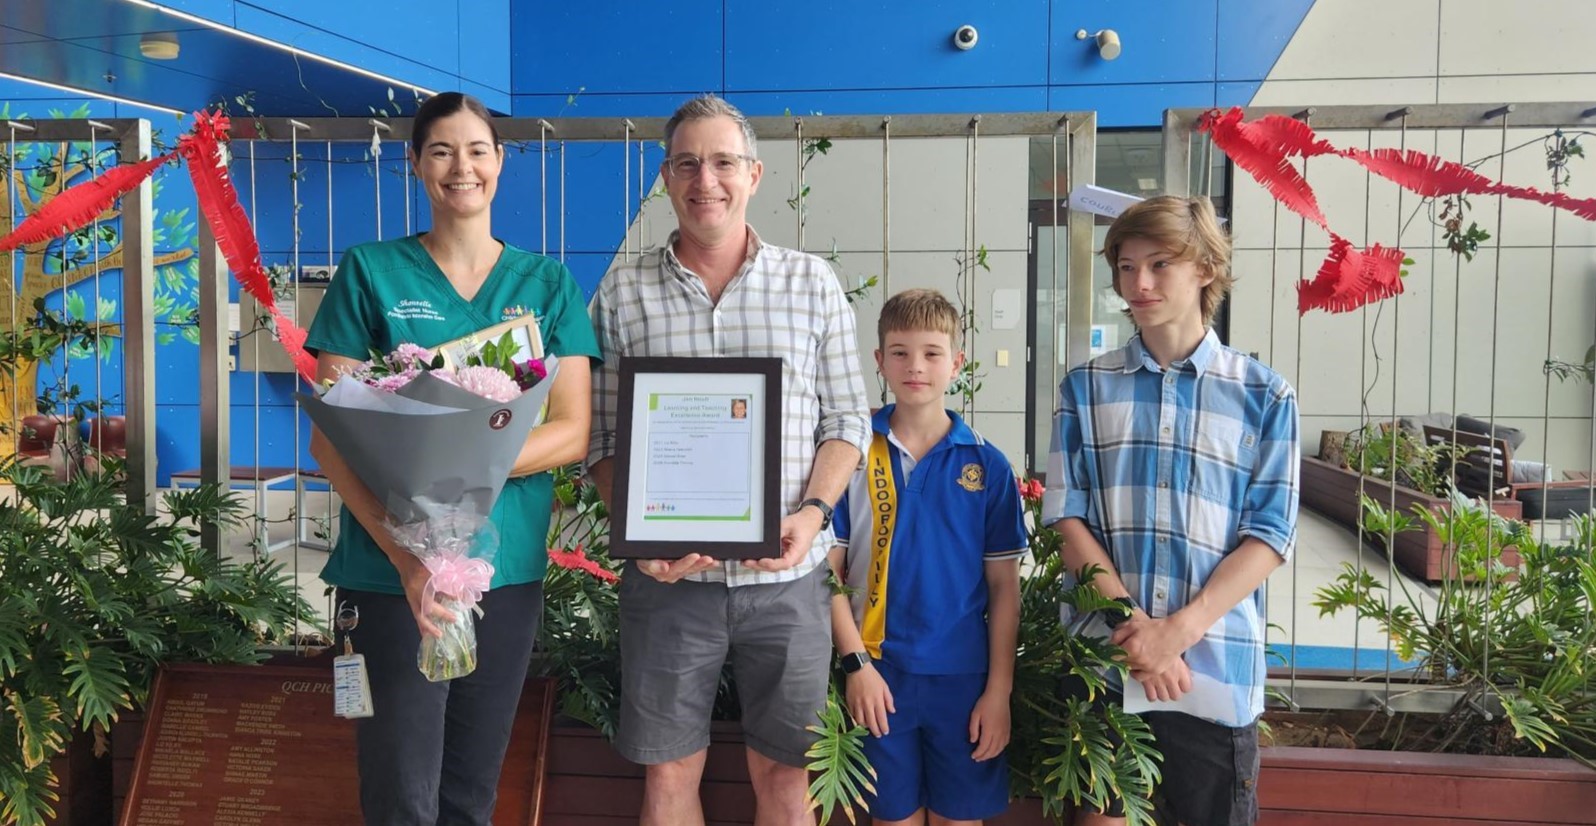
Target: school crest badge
(972, 478)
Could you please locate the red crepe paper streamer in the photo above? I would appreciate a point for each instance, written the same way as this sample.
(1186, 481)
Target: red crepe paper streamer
(218, 202)
(1350, 278)
(78, 206)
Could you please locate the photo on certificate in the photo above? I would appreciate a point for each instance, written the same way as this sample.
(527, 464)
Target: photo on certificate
(698, 459)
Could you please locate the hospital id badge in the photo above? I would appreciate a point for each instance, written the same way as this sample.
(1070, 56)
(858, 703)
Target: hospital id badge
(351, 687)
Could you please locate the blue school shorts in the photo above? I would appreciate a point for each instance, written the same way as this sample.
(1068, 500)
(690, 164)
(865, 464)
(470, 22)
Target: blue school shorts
(924, 761)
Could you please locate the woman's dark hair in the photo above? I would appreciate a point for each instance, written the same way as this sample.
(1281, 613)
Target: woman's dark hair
(441, 106)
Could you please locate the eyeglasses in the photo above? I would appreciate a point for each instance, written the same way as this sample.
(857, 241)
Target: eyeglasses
(721, 165)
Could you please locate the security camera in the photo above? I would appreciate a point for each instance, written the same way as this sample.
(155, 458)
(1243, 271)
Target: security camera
(965, 38)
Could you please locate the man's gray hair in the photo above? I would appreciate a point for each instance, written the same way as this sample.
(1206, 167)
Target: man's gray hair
(704, 107)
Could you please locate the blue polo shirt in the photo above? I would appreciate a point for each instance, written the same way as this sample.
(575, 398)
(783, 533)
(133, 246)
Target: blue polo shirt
(958, 508)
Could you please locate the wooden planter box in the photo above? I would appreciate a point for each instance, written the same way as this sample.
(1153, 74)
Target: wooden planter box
(588, 784)
(1333, 491)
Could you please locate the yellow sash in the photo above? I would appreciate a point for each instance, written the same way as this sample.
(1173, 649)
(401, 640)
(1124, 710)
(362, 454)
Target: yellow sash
(883, 494)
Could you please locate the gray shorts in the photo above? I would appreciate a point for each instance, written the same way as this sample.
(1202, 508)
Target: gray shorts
(674, 642)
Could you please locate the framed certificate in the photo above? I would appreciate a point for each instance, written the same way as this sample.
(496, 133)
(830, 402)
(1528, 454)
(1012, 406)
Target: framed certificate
(698, 459)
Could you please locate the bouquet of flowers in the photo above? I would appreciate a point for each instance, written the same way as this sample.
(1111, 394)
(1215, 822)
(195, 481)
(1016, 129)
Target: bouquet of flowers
(435, 444)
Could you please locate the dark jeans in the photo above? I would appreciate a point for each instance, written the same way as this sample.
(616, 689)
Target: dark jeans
(432, 753)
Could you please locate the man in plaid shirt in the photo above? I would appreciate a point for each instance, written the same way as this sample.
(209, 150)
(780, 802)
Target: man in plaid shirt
(1174, 469)
(715, 289)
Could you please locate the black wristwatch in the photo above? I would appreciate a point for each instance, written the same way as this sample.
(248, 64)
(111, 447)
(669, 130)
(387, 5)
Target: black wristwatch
(855, 661)
(1113, 618)
(825, 511)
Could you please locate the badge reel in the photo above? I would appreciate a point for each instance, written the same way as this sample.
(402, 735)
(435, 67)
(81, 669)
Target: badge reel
(351, 683)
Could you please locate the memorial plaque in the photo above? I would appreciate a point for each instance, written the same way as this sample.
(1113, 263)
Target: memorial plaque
(259, 745)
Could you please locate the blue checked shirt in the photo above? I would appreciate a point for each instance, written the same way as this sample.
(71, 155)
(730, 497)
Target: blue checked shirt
(1170, 471)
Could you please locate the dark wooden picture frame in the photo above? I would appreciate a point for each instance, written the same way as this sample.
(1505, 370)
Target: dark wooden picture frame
(768, 416)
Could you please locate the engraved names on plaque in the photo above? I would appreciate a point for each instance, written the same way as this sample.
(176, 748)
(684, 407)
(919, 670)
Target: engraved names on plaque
(259, 745)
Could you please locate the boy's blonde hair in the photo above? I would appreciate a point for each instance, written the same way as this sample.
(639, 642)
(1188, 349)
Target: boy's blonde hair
(918, 310)
(1188, 229)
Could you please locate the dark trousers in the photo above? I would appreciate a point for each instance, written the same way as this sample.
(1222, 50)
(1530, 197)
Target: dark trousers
(431, 754)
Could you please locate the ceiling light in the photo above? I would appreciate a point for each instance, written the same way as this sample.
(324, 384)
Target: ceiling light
(255, 38)
(159, 45)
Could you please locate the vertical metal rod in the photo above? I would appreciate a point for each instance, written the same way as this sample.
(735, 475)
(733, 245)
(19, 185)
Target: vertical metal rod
(376, 174)
(562, 202)
(1298, 378)
(11, 271)
(1546, 397)
(94, 313)
(1490, 474)
(1396, 384)
(254, 337)
(642, 193)
(215, 462)
(408, 192)
(543, 183)
(138, 324)
(626, 191)
(975, 240)
(798, 145)
(1364, 391)
(1051, 331)
(886, 213)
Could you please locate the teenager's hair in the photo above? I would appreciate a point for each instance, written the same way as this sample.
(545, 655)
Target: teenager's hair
(916, 311)
(1188, 229)
(443, 105)
(705, 107)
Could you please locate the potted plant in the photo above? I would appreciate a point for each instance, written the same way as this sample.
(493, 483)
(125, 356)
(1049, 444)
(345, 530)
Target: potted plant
(1397, 467)
(1060, 753)
(94, 596)
(1514, 652)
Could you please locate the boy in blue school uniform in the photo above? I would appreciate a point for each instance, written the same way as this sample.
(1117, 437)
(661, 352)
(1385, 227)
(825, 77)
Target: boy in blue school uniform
(929, 538)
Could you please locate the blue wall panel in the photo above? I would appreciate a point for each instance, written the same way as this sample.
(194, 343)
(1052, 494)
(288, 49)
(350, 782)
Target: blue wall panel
(413, 31)
(1253, 34)
(436, 67)
(484, 44)
(1120, 106)
(612, 46)
(1175, 44)
(893, 101)
(844, 44)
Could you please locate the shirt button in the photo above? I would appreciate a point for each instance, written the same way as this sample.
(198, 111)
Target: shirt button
(1158, 594)
(1162, 540)
(1163, 483)
(1169, 378)
(1164, 430)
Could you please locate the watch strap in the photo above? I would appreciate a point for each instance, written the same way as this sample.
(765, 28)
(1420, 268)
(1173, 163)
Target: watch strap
(825, 511)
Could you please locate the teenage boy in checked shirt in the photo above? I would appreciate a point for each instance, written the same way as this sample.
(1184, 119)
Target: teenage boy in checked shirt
(929, 536)
(1174, 469)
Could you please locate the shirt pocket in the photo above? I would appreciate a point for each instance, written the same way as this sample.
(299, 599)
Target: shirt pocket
(1222, 458)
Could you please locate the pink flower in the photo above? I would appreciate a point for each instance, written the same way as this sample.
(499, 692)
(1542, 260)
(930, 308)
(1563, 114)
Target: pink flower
(576, 560)
(488, 382)
(406, 356)
(1030, 489)
(391, 383)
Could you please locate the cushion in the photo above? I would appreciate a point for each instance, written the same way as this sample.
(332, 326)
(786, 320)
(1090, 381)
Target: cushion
(1512, 435)
(1416, 424)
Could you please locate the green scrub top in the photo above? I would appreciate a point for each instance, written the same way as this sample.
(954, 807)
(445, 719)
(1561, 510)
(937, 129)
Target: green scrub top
(390, 292)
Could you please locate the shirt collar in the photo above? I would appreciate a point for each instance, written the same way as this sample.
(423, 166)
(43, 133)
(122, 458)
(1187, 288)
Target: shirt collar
(1137, 357)
(668, 252)
(961, 434)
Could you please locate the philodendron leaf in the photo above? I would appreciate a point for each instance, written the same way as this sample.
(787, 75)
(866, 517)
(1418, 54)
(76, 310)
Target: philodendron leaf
(41, 733)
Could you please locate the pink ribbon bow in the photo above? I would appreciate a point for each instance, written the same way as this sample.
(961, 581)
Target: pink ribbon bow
(464, 579)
